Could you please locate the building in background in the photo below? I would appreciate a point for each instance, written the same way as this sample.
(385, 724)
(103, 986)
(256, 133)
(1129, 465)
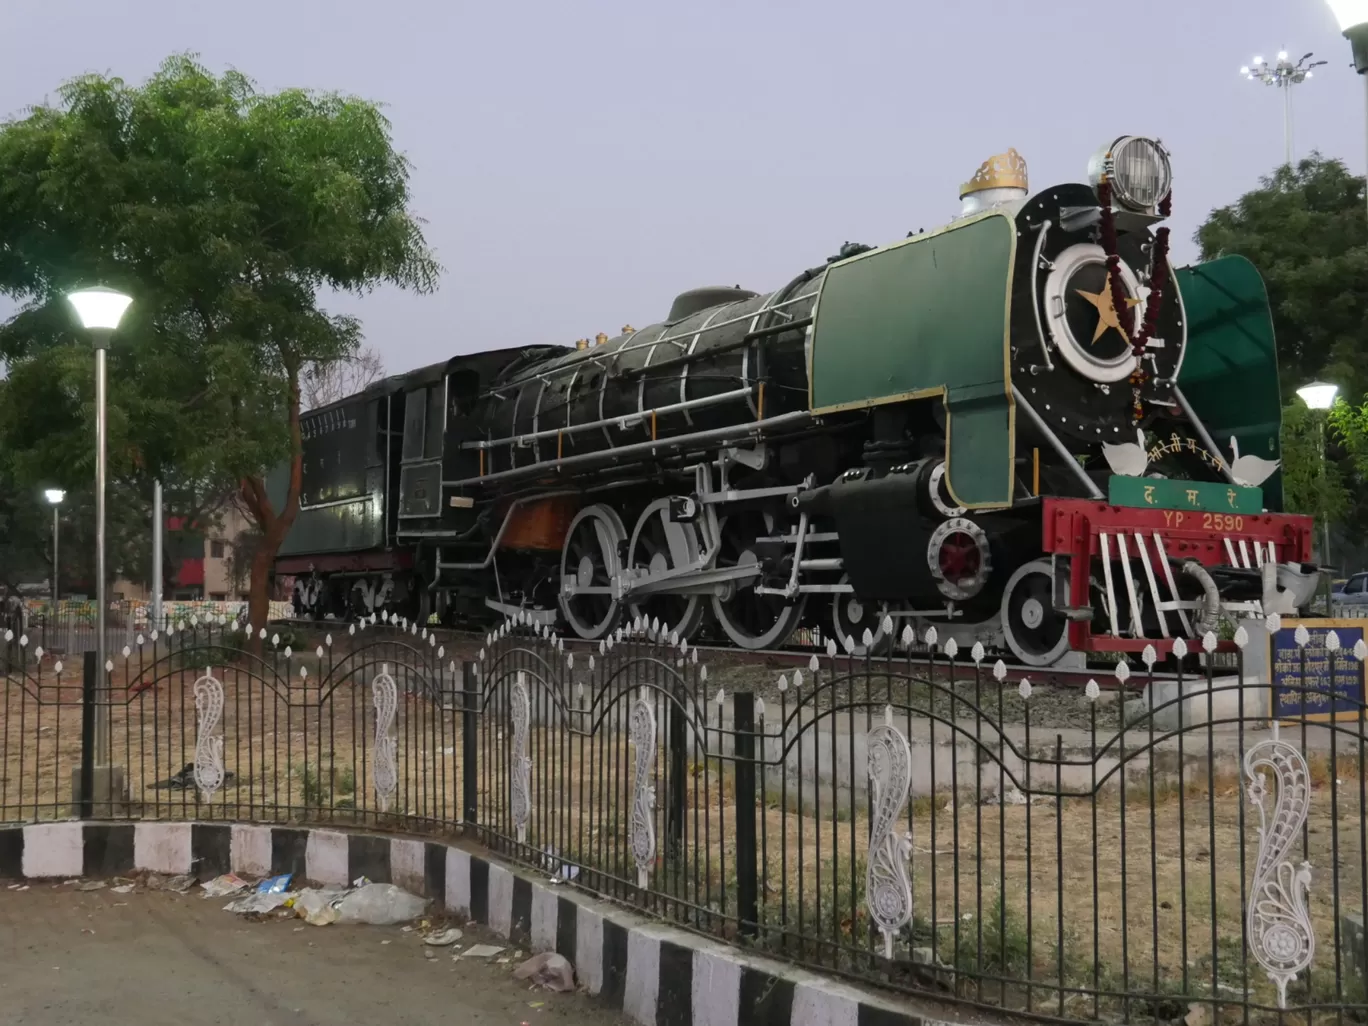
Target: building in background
(200, 565)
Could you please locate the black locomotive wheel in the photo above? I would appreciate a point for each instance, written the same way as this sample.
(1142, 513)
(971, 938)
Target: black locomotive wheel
(750, 620)
(590, 570)
(1035, 633)
(851, 617)
(657, 545)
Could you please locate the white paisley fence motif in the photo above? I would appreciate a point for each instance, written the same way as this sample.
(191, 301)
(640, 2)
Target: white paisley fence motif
(522, 764)
(643, 735)
(209, 772)
(888, 890)
(1279, 919)
(385, 696)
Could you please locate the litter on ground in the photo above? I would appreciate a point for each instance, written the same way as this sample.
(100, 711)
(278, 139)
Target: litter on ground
(442, 938)
(222, 886)
(482, 951)
(258, 903)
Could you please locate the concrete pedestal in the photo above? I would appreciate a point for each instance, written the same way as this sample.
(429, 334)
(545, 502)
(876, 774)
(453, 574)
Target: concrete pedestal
(1227, 697)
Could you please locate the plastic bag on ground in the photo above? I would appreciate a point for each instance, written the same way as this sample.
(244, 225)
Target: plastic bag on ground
(380, 905)
(442, 938)
(258, 902)
(549, 970)
(318, 907)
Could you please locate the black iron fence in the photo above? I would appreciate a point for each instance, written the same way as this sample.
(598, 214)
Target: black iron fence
(68, 628)
(1160, 849)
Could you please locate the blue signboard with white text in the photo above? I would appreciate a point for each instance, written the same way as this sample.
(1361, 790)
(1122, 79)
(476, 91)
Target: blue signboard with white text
(1313, 683)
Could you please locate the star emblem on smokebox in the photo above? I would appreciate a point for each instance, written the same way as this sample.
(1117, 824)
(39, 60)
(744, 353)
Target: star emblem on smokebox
(1107, 317)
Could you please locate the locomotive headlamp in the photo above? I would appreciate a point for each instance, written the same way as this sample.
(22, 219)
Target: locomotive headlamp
(1138, 170)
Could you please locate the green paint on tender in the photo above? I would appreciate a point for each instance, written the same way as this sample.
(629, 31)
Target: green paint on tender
(1163, 493)
(922, 315)
(1230, 370)
(345, 527)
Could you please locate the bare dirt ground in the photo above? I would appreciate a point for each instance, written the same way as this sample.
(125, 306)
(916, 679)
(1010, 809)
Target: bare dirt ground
(160, 958)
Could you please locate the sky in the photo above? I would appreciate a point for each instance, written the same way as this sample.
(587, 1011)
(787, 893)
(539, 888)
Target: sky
(579, 164)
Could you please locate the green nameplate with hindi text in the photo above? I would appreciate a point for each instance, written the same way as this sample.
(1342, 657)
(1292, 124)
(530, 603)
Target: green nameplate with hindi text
(1162, 493)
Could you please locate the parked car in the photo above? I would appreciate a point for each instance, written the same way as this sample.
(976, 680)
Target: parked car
(1350, 598)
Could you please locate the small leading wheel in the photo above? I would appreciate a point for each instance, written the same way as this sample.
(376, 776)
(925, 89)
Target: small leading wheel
(659, 544)
(1035, 633)
(851, 617)
(750, 620)
(589, 572)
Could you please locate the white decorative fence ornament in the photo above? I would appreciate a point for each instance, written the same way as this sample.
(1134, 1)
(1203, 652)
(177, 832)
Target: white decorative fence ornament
(522, 764)
(643, 735)
(385, 697)
(888, 891)
(208, 741)
(1279, 921)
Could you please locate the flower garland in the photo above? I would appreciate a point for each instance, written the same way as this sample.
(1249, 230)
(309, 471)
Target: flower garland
(1158, 282)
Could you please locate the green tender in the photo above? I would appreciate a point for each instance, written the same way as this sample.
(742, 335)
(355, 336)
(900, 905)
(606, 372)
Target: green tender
(1230, 369)
(928, 316)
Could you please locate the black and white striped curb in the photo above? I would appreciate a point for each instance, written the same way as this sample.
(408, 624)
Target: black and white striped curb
(658, 975)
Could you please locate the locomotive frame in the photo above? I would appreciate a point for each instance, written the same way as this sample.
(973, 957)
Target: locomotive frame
(910, 432)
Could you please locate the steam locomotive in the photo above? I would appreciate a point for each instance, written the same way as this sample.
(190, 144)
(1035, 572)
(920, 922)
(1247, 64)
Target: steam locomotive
(1006, 427)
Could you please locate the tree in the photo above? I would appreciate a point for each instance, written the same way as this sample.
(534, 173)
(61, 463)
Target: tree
(324, 383)
(1311, 485)
(25, 533)
(1304, 229)
(46, 440)
(223, 211)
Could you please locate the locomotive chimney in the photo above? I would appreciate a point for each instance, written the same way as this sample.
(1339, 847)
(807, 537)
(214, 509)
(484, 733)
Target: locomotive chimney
(1000, 179)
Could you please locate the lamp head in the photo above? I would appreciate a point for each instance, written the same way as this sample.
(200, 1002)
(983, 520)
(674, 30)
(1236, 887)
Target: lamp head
(1319, 395)
(1352, 16)
(99, 308)
(1349, 13)
(55, 495)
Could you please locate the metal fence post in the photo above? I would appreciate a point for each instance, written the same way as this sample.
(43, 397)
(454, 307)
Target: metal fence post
(747, 911)
(470, 742)
(90, 682)
(678, 776)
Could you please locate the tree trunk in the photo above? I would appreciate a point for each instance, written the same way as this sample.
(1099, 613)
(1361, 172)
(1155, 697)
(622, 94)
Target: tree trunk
(272, 525)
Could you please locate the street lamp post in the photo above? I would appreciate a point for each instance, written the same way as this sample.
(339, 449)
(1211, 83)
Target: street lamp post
(1320, 396)
(1283, 74)
(1352, 16)
(54, 496)
(100, 310)
(157, 523)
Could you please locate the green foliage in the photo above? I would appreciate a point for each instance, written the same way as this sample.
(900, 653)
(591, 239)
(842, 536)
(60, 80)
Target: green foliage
(1311, 485)
(223, 212)
(25, 532)
(1305, 229)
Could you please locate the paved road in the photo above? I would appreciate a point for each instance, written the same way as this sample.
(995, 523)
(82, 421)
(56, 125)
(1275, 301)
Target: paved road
(156, 958)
